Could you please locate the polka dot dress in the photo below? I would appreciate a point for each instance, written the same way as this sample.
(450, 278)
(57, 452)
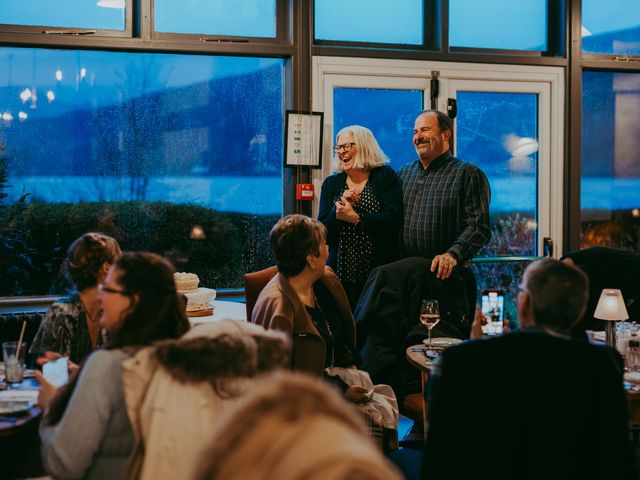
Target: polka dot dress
(355, 247)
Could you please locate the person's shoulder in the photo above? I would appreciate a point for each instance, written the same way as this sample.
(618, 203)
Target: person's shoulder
(407, 167)
(334, 178)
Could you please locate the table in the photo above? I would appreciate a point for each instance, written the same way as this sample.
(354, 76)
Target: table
(20, 441)
(223, 310)
(415, 356)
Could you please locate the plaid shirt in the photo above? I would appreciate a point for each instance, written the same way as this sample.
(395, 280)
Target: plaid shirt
(446, 208)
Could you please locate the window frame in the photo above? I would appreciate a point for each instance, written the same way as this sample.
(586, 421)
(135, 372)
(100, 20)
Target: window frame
(547, 82)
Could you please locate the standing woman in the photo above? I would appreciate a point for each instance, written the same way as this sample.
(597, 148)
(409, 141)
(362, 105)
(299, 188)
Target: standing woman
(85, 432)
(71, 327)
(361, 206)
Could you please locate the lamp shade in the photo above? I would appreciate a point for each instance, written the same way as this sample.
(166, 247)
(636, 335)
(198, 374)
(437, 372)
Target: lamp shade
(611, 306)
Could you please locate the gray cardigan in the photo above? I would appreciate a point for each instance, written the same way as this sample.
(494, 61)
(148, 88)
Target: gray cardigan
(94, 437)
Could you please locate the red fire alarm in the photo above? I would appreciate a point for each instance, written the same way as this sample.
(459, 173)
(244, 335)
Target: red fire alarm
(304, 191)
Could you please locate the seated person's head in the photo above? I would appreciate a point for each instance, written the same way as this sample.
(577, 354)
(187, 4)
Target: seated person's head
(554, 295)
(89, 258)
(140, 302)
(298, 241)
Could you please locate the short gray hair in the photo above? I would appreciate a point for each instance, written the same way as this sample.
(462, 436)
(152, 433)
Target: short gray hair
(558, 293)
(369, 155)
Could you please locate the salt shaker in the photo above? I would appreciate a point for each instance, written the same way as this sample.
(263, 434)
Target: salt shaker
(633, 355)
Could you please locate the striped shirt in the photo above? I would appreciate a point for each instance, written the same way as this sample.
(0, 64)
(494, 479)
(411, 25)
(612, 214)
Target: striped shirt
(446, 208)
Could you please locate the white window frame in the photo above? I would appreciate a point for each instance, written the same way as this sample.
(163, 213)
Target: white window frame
(547, 82)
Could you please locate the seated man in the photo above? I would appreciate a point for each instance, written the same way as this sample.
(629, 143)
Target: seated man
(607, 268)
(532, 403)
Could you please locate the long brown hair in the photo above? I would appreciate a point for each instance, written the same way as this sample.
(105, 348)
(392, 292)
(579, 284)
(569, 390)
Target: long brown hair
(158, 314)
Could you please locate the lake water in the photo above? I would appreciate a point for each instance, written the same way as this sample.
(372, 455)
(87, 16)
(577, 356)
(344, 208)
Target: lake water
(263, 195)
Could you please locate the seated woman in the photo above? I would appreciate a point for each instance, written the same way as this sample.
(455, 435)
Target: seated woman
(306, 301)
(178, 390)
(71, 326)
(85, 432)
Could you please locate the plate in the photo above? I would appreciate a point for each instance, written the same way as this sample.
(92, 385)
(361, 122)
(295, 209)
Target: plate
(17, 401)
(442, 341)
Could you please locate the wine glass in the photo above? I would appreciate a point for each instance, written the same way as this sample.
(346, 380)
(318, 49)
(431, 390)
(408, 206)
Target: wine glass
(430, 315)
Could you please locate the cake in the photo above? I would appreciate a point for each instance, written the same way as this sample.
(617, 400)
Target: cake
(186, 282)
(199, 310)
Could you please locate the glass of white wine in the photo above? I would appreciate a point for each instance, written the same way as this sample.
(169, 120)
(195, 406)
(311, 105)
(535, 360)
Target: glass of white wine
(430, 315)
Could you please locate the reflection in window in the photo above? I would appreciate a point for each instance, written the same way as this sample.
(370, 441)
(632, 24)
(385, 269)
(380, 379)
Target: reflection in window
(99, 15)
(143, 147)
(610, 187)
(499, 24)
(389, 114)
(400, 21)
(498, 133)
(611, 27)
(242, 18)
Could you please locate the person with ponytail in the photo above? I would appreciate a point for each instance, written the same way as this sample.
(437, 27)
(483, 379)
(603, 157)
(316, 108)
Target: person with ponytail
(85, 431)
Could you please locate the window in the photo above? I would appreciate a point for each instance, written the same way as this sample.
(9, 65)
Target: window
(243, 18)
(389, 114)
(610, 187)
(504, 125)
(399, 22)
(144, 147)
(507, 152)
(100, 14)
(498, 24)
(611, 27)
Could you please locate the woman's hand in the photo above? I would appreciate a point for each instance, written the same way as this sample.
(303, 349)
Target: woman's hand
(357, 394)
(50, 356)
(346, 213)
(350, 196)
(47, 391)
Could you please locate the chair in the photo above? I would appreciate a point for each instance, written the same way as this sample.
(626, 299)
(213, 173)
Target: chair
(253, 284)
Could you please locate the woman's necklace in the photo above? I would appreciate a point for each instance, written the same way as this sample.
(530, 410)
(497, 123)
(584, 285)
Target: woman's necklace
(328, 330)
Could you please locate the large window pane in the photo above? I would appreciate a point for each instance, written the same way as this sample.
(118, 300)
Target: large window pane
(242, 18)
(389, 114)
(499, 24)
(99, 15)
(498, 133)
(400, 21)
(143, 147)
(610, 188)
(611, 27)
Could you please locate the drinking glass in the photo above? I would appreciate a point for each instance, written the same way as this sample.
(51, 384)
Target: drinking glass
(429, 315)
(13, 361)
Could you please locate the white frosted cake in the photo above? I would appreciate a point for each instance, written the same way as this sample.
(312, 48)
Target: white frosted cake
(186, 282)
(201, 295)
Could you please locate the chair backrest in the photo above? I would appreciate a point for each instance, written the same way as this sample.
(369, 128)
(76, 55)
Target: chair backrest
(253, 285)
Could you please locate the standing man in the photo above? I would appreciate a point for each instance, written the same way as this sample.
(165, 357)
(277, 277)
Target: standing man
(446, 200)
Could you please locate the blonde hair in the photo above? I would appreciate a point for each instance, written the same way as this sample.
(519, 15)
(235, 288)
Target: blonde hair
(369, 154)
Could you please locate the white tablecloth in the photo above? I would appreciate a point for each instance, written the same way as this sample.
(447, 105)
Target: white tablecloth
(223, 310)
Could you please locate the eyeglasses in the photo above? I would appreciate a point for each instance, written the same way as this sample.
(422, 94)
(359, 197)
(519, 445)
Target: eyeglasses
(103, 288)
(344, 147)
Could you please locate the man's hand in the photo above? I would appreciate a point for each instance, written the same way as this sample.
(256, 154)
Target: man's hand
(357, 394)
(476, 327)
(346, 213)
(444, 264)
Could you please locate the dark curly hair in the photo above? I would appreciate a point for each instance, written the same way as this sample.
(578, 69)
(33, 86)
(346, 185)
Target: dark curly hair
(85, 258)
(292, 239)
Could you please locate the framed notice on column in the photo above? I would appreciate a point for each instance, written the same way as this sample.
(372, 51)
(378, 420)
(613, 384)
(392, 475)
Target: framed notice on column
(303, 139)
